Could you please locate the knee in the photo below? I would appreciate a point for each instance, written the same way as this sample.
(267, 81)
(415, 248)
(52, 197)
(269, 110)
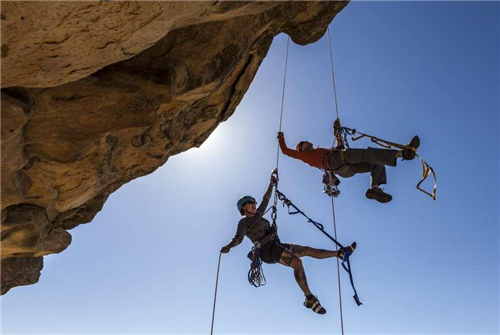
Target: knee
(297, 264)
(298, 250)
(367, 155)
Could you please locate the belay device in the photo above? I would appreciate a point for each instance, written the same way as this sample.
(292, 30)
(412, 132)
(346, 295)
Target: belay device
(331, 183)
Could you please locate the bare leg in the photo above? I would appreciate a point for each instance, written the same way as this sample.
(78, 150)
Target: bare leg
(289, 259)
(301, 251)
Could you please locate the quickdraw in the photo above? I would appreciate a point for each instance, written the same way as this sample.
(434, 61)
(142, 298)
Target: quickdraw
(341, 135)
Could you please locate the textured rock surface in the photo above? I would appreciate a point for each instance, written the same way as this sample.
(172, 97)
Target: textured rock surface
(95, 94)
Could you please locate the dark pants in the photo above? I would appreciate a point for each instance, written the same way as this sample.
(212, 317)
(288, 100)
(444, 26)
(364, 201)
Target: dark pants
(271, 252)
(351, 161)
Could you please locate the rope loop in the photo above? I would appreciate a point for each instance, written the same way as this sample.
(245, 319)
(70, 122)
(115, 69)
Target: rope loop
(256, 273)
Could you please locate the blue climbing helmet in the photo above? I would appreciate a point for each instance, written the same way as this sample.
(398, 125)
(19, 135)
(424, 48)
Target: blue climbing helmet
(242, 201)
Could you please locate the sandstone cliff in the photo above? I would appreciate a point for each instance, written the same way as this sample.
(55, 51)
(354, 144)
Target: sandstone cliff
(96, 94)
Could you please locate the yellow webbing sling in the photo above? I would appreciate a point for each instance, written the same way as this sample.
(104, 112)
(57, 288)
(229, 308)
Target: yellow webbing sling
(427, 170)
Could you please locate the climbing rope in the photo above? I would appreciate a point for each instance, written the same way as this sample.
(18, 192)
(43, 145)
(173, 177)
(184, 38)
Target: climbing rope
(340, 145)
(274, 214)
(215, 296)
(333, 72)
(338, 267)
(282, 104)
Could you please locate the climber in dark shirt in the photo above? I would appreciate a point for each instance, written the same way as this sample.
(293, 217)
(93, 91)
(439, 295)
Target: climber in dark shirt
(258, 230)
(346, 163)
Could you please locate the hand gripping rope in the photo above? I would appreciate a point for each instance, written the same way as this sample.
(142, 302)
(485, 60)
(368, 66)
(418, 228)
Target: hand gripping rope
(215, 295)
(345, 261)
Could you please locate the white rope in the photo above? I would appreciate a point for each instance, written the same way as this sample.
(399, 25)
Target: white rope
(333, 205)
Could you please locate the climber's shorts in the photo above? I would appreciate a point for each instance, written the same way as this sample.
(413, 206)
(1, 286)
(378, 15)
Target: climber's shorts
(271, 252)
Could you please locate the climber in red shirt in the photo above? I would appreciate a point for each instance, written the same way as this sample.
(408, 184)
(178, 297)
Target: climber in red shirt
(346, 163)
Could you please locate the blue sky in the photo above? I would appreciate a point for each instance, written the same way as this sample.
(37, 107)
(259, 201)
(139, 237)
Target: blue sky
(147, 263)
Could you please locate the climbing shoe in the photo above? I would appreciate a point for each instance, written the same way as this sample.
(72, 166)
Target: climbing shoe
(350, 249)
(312, 302)
(409, 154)
(378, 194)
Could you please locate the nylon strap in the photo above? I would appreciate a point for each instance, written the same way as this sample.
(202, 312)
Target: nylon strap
(427, 170)
(318, 225)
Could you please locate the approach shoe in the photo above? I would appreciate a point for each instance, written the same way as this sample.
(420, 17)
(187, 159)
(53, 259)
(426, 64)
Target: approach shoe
(312, 302)
(378, 194)
(350, 249)
(409, 154)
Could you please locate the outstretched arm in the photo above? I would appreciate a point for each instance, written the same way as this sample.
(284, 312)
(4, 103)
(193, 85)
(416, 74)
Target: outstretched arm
(267, 196)
(236, 240)
(289, 152)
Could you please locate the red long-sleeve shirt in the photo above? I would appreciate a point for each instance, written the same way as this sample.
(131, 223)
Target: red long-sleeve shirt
(312, 157)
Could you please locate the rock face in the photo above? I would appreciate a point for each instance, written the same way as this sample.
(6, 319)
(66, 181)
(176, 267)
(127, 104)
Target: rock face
(95, 94)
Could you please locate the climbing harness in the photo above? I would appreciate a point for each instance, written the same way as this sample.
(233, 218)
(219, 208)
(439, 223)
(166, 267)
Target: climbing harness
(427, 170)
(345, 261)
(256, 273)
(330, 180)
